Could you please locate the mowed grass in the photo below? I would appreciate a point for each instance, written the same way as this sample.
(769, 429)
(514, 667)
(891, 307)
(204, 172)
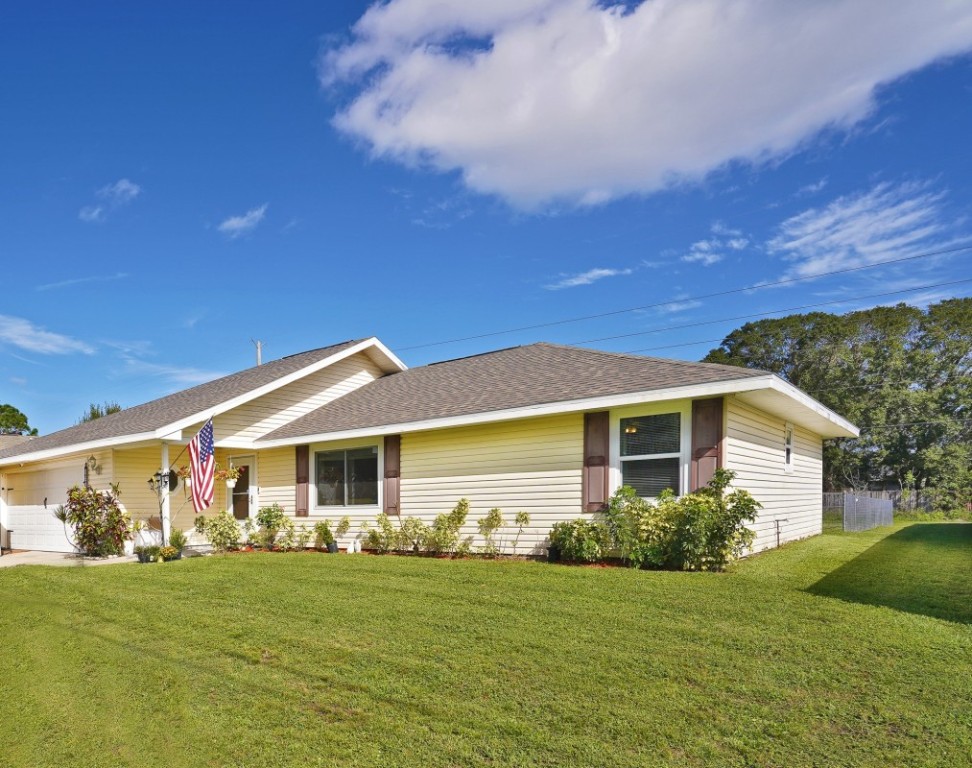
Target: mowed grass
(844, 650)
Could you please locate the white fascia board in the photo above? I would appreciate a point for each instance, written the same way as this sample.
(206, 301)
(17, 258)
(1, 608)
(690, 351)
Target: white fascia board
(818, 408)
(713, 389)
(361, 346)
(66, 450)
(392, 362)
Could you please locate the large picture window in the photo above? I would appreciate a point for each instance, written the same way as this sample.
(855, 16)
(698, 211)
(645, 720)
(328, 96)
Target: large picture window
(651, 453)
(347, 478)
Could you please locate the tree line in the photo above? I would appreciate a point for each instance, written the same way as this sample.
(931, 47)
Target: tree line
(900, 373)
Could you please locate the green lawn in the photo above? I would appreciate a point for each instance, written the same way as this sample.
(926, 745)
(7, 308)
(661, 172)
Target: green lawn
(845, 650)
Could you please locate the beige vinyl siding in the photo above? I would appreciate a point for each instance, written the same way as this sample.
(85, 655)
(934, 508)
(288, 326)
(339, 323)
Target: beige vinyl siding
(532, 465)
(265, 414)
(754, 450)
(276, 476)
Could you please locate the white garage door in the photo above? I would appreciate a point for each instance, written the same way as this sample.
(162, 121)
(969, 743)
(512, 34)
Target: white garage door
(30, 508)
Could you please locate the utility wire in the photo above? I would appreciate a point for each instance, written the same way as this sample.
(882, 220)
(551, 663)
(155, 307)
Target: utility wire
(759, 286)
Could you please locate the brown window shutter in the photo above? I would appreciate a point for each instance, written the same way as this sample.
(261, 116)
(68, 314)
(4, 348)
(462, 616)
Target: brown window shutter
(597, 444)
(303, 477)
(393, 474)
(706, 440)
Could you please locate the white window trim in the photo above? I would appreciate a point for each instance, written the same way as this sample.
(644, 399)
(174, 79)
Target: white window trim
(341, 445)
(788, 447)
(681, 407)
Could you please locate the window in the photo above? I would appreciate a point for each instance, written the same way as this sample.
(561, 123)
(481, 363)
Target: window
(651, 453)
(347, 478)
(788, 448)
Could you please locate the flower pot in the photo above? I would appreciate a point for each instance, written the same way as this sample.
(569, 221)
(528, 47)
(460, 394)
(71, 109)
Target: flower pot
(230, 483)
(553, 554)
(332, 547)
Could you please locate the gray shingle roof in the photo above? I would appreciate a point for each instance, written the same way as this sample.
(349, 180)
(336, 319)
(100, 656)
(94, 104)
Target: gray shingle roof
(509, 378)
(157, 413)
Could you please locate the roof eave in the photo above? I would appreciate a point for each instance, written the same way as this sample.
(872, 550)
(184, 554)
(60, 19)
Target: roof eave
(711, 389)
(66, 450)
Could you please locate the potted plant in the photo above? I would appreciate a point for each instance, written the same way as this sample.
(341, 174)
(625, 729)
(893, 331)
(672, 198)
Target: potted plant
(148, 554)
(185, 475)
(178, 541)
(324, 537)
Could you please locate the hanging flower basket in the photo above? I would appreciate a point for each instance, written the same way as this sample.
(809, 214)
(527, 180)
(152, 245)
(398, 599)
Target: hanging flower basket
(230, 476)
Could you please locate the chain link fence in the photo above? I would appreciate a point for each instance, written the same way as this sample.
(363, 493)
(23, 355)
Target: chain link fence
(855, 512)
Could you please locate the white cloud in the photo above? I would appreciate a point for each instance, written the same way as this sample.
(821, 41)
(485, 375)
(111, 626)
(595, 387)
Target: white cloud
(80, 280)
(174, 374)
(586, 278)
(113, 196)
(887, 222)
(21, 333)
(580, 101)
(710, 251)
(236, 226)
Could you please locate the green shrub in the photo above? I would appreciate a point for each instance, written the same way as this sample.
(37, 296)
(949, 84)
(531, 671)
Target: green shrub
(150, 553)
(384, 537)
(522, 520)
(443, 535)
(488, 525)
(221, 530)
(413, 534)
(322, 534)
(303, 537)
(580, 540)
(271, 521)
(343, 526)
(100, 526)
(177, 539)
(288, 535)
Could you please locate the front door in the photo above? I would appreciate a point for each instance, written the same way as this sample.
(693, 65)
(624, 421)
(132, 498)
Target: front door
(243, 495)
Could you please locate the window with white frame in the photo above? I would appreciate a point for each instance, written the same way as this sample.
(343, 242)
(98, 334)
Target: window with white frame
(651, 453)
(788, 447)
(347, 477)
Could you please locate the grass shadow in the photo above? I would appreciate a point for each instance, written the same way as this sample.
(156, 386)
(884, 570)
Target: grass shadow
(925, 569)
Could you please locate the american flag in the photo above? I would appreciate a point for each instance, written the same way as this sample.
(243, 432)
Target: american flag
(202, 467)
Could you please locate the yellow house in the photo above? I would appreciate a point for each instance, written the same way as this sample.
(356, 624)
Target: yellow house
(349, 430)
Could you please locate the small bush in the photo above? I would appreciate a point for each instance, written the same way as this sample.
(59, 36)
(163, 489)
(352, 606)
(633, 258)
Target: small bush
(383, 538)
(100, 526)
(303, 537)
(288, 536)
(443, 535)
(522, 520)
(488, 525)
(221, 530)
(271, 521)
(413, 534)
(168, 553)
(322, 534)
(177, 539)
(580, 541)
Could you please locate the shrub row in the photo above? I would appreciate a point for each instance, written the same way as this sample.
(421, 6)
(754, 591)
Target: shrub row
(702, 531)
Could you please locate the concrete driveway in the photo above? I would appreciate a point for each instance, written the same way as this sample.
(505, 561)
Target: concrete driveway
(59, 558)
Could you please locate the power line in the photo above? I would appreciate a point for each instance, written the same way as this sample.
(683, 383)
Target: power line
(662, 329)
(787, 281)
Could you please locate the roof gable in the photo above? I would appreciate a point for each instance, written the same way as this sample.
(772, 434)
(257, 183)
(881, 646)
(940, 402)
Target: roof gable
(189, 406)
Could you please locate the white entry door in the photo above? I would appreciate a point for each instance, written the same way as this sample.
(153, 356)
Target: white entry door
(243, 497)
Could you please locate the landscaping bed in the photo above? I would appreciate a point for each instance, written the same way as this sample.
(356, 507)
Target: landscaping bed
(841, 650)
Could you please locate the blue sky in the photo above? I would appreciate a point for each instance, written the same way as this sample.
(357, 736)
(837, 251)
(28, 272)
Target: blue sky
(179, 180)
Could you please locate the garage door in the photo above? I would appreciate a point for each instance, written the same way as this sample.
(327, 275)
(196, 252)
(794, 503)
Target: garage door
(30, 508)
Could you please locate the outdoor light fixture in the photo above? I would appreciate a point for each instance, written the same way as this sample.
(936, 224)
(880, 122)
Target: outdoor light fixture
(163, 481)
(631, 429)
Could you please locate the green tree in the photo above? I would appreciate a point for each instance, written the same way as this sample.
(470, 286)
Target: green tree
(96, 411)
(13, 422)
(899, 373)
